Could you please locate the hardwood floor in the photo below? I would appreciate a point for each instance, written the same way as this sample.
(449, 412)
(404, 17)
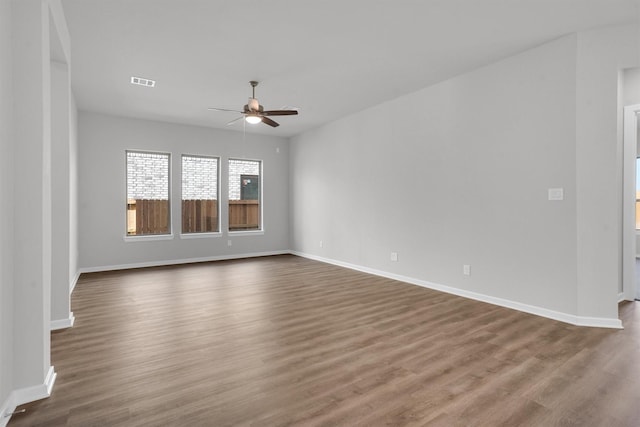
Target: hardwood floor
(288, 341)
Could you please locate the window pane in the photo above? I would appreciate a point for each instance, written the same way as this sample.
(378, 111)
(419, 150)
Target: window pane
(199, 194)
(147, 193)
(244, 195)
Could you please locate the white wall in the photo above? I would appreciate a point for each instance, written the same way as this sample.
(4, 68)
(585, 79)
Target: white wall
(458, 173)
(102, 200)
(6, 207)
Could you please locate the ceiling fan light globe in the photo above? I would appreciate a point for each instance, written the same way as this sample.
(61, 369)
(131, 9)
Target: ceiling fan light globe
(253, 119)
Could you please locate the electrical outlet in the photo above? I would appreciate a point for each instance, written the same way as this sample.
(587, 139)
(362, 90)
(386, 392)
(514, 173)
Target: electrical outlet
(229, 243)
(466, 270)
(394, 256)
(321, 243)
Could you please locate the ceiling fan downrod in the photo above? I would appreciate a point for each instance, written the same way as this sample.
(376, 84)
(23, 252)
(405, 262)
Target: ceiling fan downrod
(253, 84)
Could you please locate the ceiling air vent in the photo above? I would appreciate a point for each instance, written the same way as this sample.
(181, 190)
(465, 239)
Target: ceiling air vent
(142, 82)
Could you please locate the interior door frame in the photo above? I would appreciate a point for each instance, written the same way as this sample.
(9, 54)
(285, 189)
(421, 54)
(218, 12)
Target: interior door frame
(630, 290)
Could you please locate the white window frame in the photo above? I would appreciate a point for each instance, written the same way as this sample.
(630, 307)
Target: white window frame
(259, 231)
(147, 237)
(202, 234)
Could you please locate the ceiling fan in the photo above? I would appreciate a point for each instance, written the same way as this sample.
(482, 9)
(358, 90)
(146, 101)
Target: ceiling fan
(254, 113)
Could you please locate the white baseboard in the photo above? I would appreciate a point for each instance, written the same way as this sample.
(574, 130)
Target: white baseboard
(63, 323)
(7, 407)
(37, 392)
(596, 322)
(179, 261)
(26, 395)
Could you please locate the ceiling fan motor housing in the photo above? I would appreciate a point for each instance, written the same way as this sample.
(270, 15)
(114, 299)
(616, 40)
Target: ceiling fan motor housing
(253, 104)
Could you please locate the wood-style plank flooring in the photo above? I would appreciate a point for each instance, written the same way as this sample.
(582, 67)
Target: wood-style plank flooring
(286, 341)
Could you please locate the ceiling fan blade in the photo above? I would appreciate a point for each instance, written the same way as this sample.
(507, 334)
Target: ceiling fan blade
(268, 121)
(235, 120)
(223, 109)
(280, 113)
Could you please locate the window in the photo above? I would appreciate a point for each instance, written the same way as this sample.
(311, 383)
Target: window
(245, 195)
(199, 194)
(147, 193)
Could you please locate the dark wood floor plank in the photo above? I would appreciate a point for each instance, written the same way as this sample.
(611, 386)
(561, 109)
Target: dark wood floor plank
(280, 341)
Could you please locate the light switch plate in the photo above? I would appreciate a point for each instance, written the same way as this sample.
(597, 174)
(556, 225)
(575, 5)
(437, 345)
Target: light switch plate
(556, 194)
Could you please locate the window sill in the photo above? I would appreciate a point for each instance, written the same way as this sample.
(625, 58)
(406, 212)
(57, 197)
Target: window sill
(148, 238)
(200, 235)
(246, 233)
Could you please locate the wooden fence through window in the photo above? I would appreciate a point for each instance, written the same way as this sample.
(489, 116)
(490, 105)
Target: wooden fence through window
(244, 215)
(199, 216)
(146, 216)
(149, 217)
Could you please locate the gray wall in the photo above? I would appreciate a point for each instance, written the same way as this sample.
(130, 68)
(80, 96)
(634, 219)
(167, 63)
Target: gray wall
(458, 174)
(102, 200)
(454, 174)
(6, 207)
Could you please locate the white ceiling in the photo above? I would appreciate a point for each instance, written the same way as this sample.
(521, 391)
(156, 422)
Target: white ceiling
(328, 58)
